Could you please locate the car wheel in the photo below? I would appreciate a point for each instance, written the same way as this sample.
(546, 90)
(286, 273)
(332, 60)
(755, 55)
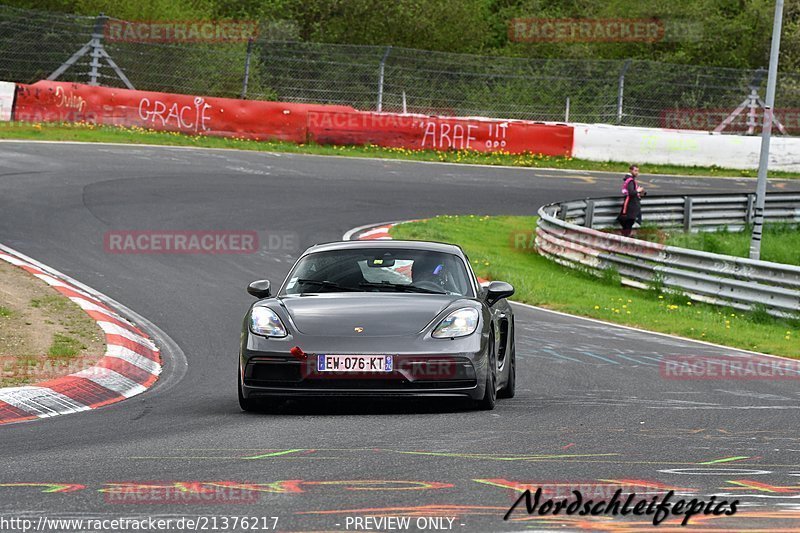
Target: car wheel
(256, 406)
(509, 389)
(245, 403)
(490, 394)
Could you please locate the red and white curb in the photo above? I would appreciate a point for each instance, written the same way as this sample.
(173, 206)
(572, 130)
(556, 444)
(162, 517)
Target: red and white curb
(371, 232)
(131, 364)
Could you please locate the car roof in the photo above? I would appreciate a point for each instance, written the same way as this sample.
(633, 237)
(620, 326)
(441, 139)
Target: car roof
(428, 246)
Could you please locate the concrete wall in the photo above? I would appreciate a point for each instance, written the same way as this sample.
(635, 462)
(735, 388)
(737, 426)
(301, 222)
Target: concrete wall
(599, 142)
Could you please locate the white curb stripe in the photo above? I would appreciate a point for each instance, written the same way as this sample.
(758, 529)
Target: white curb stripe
(113, 329)
(40, 401)
(111, 380)
(14, 261)
(383, 229)
(137, 360)
(90, 305)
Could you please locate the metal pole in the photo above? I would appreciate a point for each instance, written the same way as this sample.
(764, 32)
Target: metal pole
(405, 109)
(566, 112)
(766, 130)
(380, 78)
(96, 45)
(621, 89)
(247, 67)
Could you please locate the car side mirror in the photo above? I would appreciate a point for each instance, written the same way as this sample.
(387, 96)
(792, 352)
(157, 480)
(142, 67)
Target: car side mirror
(497, 290)
(259, 289)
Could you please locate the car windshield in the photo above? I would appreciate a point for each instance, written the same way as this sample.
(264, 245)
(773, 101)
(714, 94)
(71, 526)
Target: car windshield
(379, 270)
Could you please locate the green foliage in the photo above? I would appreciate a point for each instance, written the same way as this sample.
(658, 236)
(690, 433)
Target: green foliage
(730, 33)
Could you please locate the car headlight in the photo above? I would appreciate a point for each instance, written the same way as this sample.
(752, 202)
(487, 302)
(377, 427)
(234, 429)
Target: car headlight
(264, 321)
(459, 323)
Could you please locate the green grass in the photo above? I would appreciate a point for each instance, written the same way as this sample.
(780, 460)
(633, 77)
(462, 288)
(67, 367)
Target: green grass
(780, 243)
(501, 248)
(64, 346)
(5, 312)
(136, 135)
(53, 302)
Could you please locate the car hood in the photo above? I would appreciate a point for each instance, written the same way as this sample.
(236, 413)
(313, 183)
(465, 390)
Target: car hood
(379, 314)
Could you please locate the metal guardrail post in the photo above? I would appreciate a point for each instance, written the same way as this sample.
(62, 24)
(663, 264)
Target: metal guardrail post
(588, 217)
(687, 214)
(748, 212)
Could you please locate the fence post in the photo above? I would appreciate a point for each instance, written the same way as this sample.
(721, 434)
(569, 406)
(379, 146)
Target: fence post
(96, 45)
(621, 89)
(566, 112)
(405, 109)
(380, 78)
(687, 214)
(247, 67)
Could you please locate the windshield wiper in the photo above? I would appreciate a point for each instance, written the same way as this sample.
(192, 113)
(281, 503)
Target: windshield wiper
(325, 284)
(399, 287)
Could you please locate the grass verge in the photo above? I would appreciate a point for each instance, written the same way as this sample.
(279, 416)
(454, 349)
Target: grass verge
(501, 248)
(43, 334)
(135, 135)
(780, 242)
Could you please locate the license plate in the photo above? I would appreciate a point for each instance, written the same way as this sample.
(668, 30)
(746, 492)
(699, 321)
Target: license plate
(354, 363)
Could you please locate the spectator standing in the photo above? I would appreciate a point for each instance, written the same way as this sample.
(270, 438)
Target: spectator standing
(631, 211)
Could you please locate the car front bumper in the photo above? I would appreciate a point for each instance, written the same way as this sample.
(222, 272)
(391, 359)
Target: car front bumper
(268, 368)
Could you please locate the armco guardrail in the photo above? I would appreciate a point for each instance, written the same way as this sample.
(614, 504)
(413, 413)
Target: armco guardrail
(569, 234)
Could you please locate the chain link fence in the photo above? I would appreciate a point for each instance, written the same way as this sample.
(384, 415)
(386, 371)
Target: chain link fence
(35, 45)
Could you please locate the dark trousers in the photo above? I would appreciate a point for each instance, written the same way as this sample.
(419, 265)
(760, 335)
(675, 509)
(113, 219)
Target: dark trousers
(627, 226)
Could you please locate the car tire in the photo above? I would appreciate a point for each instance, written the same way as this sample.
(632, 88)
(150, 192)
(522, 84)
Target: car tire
(489, 399)
(245, 404)
(256, 406)
(509, 389)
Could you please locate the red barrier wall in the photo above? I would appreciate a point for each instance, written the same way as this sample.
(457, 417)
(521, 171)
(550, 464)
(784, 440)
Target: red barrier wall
(438, 133)
(48, 101)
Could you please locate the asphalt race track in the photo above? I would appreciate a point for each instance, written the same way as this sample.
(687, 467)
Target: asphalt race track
(592, 410)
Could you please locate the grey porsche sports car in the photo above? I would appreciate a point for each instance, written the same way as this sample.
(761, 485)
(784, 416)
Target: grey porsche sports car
(378, 318)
